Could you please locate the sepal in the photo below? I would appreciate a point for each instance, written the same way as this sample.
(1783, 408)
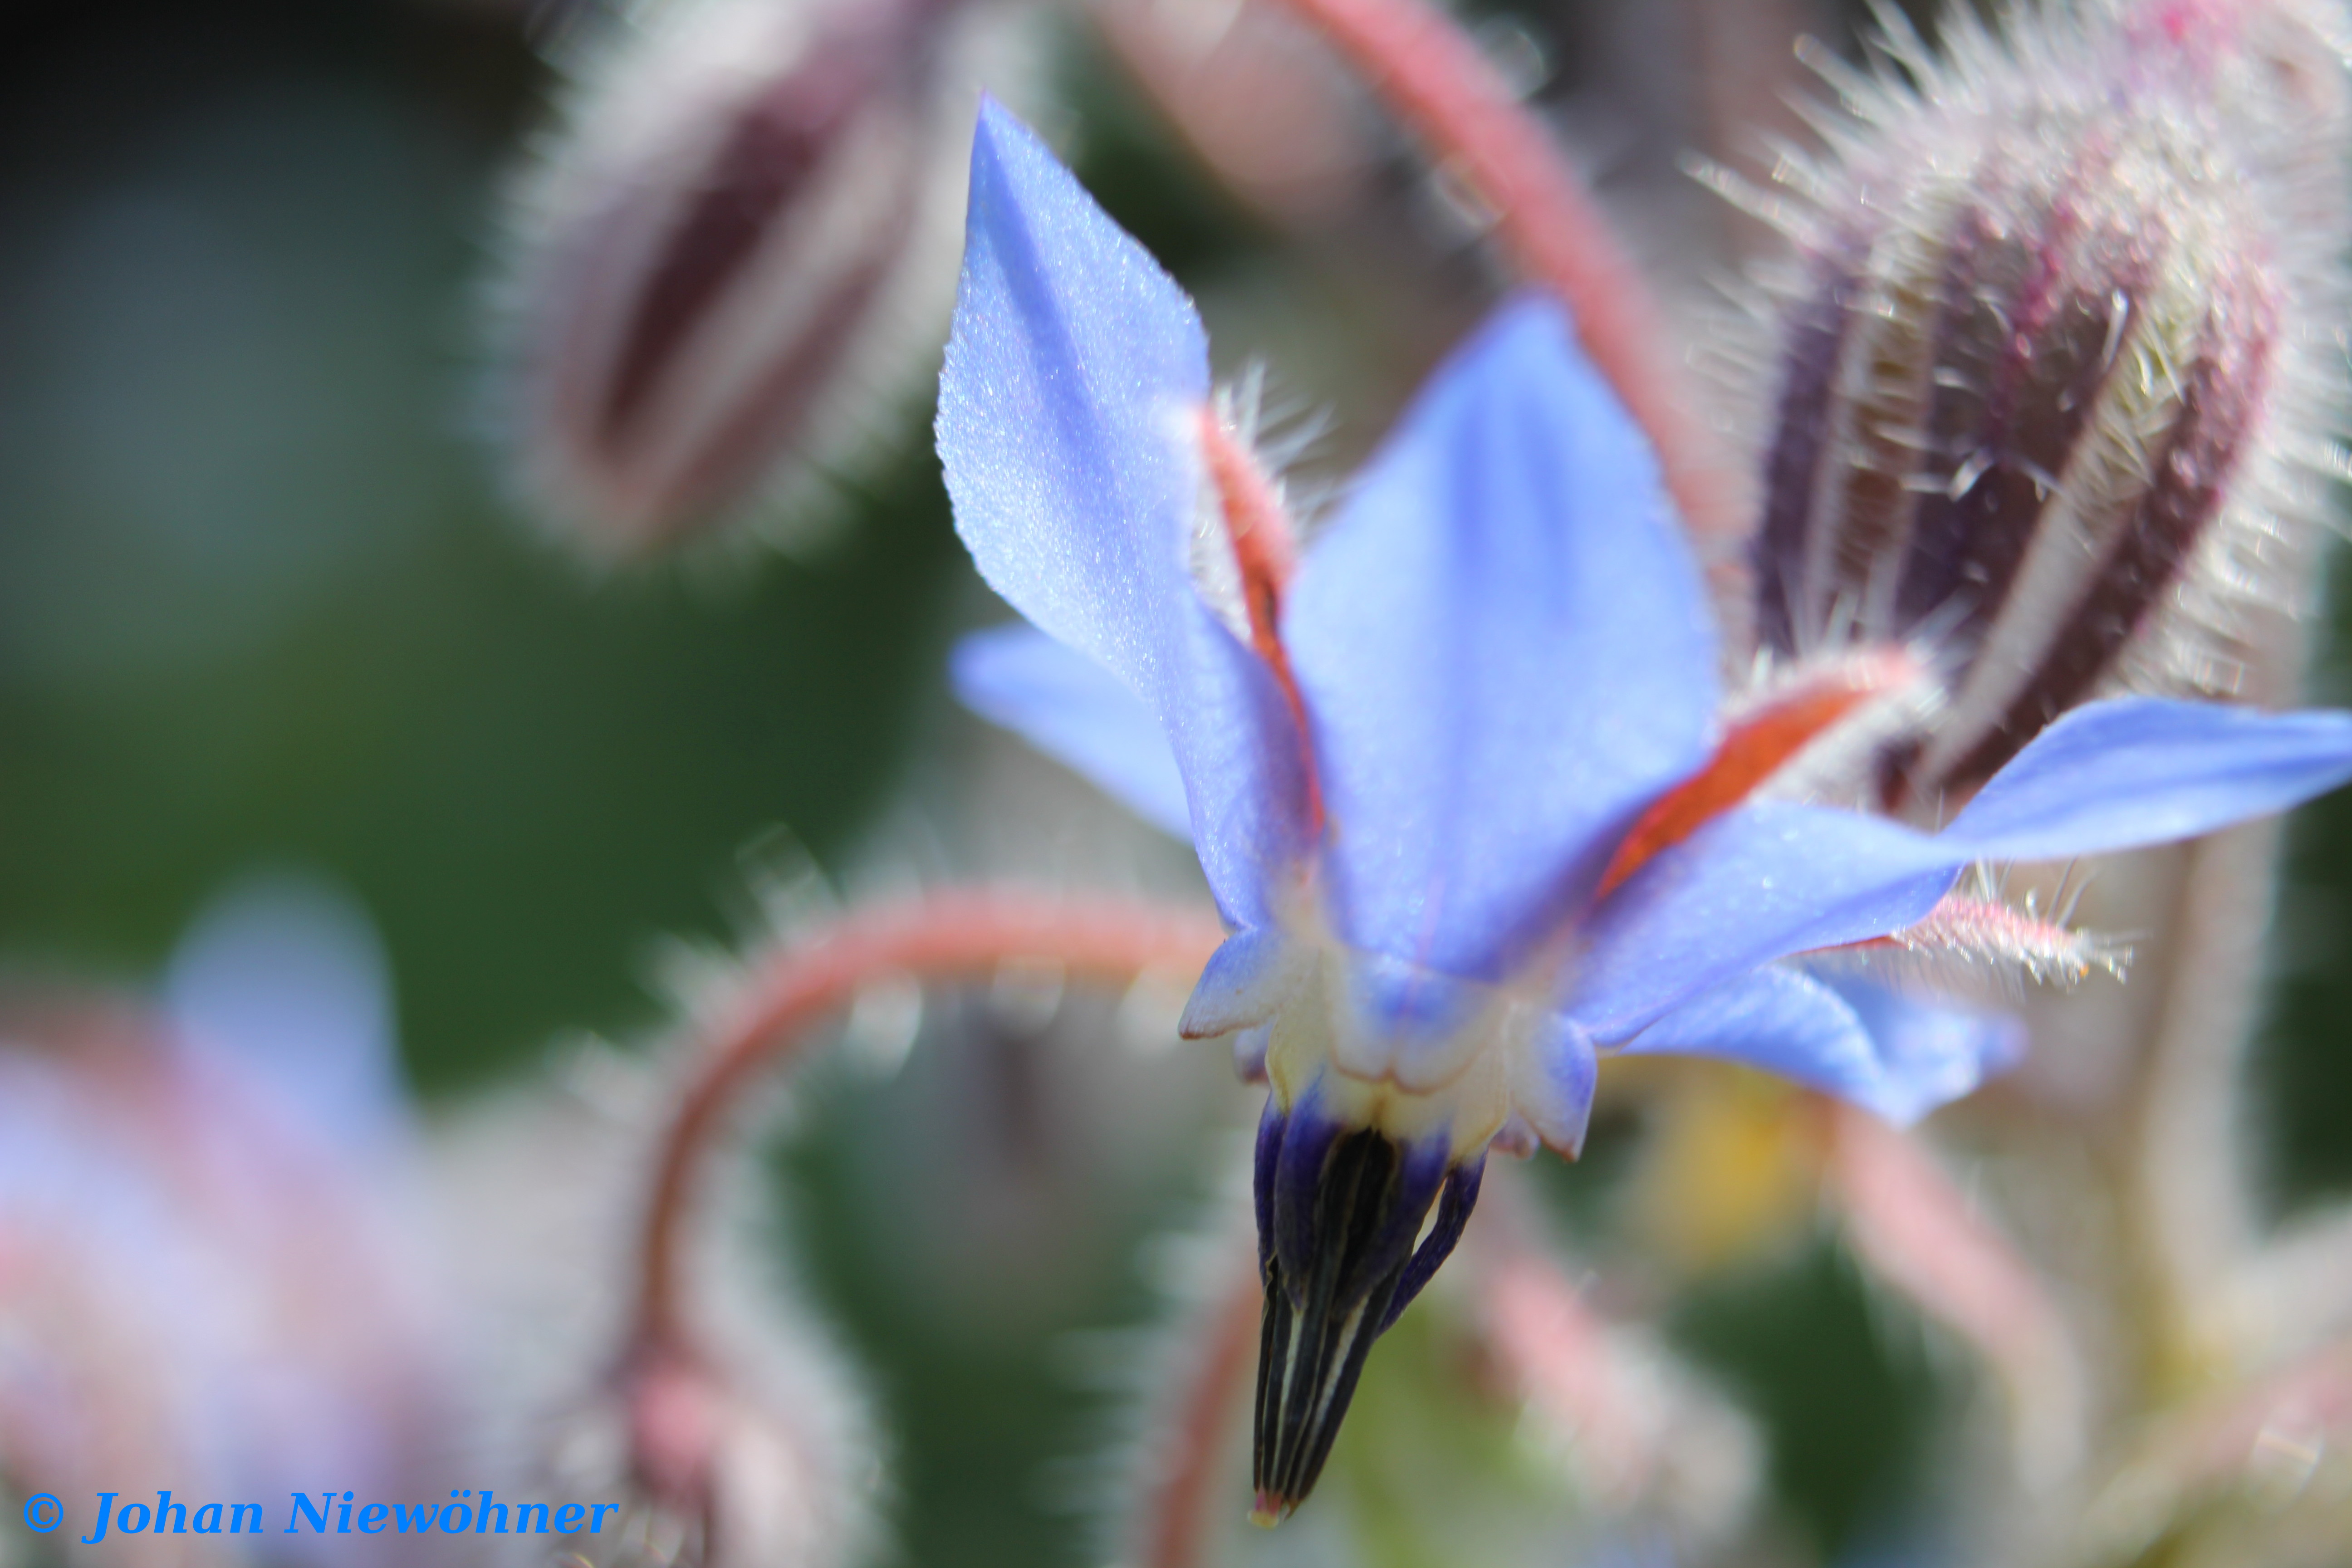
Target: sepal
(1245, 984)
(1553, 1073)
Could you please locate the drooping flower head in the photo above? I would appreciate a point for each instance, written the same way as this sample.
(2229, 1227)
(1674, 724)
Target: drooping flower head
(1459, 781)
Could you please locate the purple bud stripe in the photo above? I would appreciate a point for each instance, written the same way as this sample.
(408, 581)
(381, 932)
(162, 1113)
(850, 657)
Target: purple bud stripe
(2223, 393)
(766, 158)
(1865, 526)
(769, 157)
(1816, 343)
(1972, 340)
(784, 397)
(2057, 334)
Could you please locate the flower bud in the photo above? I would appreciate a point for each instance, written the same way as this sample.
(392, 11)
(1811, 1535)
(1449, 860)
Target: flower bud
(208, 1288)
(745, 1478)
(712, 1474)
(2044, 370)
(724, 1426)
(721, 258)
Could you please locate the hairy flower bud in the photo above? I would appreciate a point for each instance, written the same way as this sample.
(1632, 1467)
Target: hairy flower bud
(732, 1433)
(2049, 365)
(721, 258)
(717, 1478)
(216, 1281)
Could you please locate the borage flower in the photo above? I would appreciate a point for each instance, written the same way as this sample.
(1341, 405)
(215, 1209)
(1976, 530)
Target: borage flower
(1459, 784)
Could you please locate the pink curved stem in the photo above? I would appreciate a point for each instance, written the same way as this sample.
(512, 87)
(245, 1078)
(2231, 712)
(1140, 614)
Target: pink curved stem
(1432, 78)
(1917, 1231)
(1212, 1382)
(945, 936)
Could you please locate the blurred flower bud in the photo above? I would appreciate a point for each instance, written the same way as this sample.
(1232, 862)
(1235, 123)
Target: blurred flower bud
(1259, 97)
(757, 1457)
(732, 1433)
(214, 1279)
(743, 228)
(2053, 364)
(718, 1479)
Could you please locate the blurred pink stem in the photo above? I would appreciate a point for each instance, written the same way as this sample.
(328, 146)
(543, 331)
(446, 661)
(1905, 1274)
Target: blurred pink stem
(1917, 1231)
(1432, 76)
(2310, 1400)
(1641, 1436)
(1211, 1380)
(2269, 1435)
(1554, 1350)
(961, 935)
(2193, 1203)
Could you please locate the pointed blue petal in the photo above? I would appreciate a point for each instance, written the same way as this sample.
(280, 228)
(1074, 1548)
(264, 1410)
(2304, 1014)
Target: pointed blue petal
(1244, 984)
(1553, 1080)
(1754, 885)
(1075, 711)
(2139, 770)
(1897, 1055)
(1074, 367)
(284, 978)
(1073, 374)
(1777, 1020)
(1505, 650)
(1768, 880)
(1931, 1049)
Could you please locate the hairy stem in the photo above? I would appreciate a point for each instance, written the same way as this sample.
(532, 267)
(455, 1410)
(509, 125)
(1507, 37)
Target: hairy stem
(1209, 1386)
(1919, 1232)
(961, 935)
(1431, 74)
(2190, 1178)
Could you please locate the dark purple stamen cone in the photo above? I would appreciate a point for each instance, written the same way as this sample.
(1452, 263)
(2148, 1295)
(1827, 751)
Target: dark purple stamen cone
(1339, 1212)
(2033, 343)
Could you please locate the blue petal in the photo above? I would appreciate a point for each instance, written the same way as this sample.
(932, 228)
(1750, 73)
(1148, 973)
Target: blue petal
(284, 978)
(1931, 1049)
(1244, 984)
(2134, 771)
(1551, 1083)
(1775, 1019)
(1505, 650)
(1768, 880)
(1754, 885)
(1896, 1055)
(1073, 377)
(1075, 711)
